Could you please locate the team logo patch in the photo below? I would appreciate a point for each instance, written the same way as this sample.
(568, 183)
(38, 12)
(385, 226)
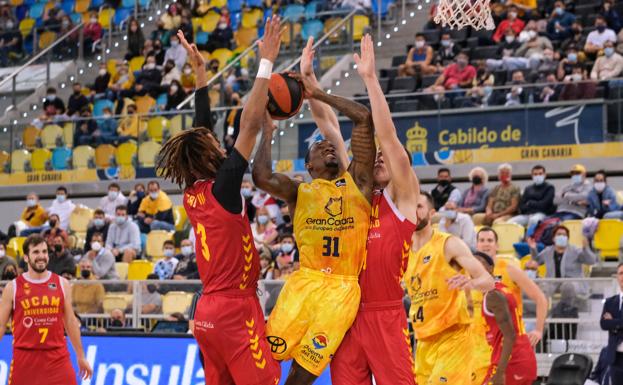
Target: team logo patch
(52, 286)
(340, 183)
(27, 322)
(443, 379)
(426, 259)
(334, 207)
(320, 341)
(498, 278)
(277, 344)
(27, 288)
(416, 282)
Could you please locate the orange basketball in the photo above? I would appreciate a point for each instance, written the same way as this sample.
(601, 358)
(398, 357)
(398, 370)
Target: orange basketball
(285, 96)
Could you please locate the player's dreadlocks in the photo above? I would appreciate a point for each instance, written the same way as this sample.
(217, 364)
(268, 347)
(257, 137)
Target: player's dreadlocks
(190, 155)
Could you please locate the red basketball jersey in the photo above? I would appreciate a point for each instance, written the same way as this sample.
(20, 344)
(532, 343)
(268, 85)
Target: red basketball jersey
(38, 311)
(226, 256)
(389, 242)
(522, 350)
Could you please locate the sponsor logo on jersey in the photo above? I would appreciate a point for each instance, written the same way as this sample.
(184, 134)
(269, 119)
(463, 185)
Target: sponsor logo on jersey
(334, 207)
(27, 322)
(52, 286)
(320, 341)
(340, 182)
(416, 282)
(426, 259)
(443, 379)
(277, 344)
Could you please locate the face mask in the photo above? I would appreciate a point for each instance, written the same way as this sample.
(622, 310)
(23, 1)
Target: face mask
(116, 323)
(444, 183)
(174, 43)
(512, 15)
(559, 11)
(445, 43)
(9, 25)
(93, 20)
(50, 97)
(262, 219)
(65, 23)
(287, 247)
(112, 195)
(120, 220)
(174, 88)
(150, 66)
(222, 26)
(2, 253)
(140, 194)
(419, 44)
(102, 72)
(188, 71)
(510, 39)
(576, 77)
(169, 253)
(538, 179)
(247, 192)
(96, 246)
(561, 240)
(153, 195)
(9, 275)
(609, 51)
(532, 34)
(600, 186)
(31, 202)
(576, 179)
(61, 198)
(187, 250)
(531, 274)
(52, 222)
(85, 274)
(477, 180)
(58, 248)
(572, 57)
(98, 222)
(450, 214)
(151, 288)
(601, 28)
(461, 62)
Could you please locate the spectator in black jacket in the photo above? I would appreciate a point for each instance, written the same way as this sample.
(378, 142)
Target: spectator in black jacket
(221, 37)
(186, 268)
(51, 98)
(175, 96)
(445, 191)
(85, 128)
(98, 224)
(10, 43)
(613, 19)
(60, 258)
(537, 200)
(150, 77)
(136, 39)
(77, 101)
(101, 82)
(135, 198)
(447, 51)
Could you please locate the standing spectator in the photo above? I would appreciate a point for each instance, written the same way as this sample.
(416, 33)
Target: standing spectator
(136, 198)
(503, 199)
(171, 19)
(176, 53)
(458, 75)
(444, 191)
(33, 216)
(602, 199)
(60, 259)
(596, 39)
(512, 21)
(53, 230)
(612, 321)
(87, 297)
(92, 33)
(151, 302)
(573, 200)
(136, 39)
(5, 260)
(187, 266)
(608, 66)
(102, 260)
(221, 37)
(460, 225)
(62, 206)
(124, 237)
(175, 96)
(10, 43)
(474, 199)
(264, 230)
(447, 52)
(288, 252)
(537, 200)
(165, 267)
(112, 200)
(98, 224)
(77, 101)
(611, 15)
(559, 24)
(156, 210)
(419, 59)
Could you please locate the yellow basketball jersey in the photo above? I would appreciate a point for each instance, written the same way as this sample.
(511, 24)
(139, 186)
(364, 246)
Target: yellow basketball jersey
(434, 307)
(331, 225)
(500, 272)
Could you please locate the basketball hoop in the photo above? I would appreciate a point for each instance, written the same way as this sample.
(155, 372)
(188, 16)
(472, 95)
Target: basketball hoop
(456, 14)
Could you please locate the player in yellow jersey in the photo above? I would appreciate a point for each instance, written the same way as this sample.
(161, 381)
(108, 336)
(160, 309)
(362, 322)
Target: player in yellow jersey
(439, 313)
(331, 215)
(508, 271)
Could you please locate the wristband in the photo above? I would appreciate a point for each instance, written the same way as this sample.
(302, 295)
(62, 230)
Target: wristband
(265, 70)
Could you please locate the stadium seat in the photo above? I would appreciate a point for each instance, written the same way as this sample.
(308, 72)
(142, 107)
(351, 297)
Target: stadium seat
(40, 158)
(252, 18)
(51, 135)
(16, 3)
(20, 160)
(180, 217)
(104, 154)
(485, 52)
(15, 247)
(144, 3)
(570, 369)
(46, 38)
(293, 12)
(328, 25)
(76, 18)
(36, 10)
(360, 23)
(311, 9)
(68, 134)
(26, 25)
(608, 238)
(83, 157)
(196, 22)
(312, 28)
(96, 4)
(176, 302)
(508, 233)
(126, 154)
(123, 14)
(254, 3)
(620, 197)
(113, 301)
(30, 136)
(403, 85)
(245, 37)
(147, 153)
(156, 127)
(432, 36)
(575, 231)
(292, 30)
(144, 104)
(234, 5)
(5, 158)
(223, 55)
(139, 269)
(79, 219)
(201, 38)
(179, 123)
(218, 3)
(210, 21)
(122, 270)
(385, 5)
(105, 17)
(68, 6)
(155, 240)
(136, 63)
(99, 105)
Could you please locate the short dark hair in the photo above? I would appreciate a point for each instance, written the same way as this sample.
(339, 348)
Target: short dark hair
(561, 227)
(484, 256)
(429, 198)
(121, 207)
(538, 167)
(600, 17)
(32, 240)
(485, 229)
(602, 172)
(285, 235)
(77, 84)
(443, 169)
(419, 34)
(168, 242)
(97, 234)
(51, 90)
(62, 188)
(153, 182)
(99, 212)
(114, 185)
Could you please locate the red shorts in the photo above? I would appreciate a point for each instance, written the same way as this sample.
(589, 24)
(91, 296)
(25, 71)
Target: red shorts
(521, 369)
(230, 331)
(50, 367)
(377, 344)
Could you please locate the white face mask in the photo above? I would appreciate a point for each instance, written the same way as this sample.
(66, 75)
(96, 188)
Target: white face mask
(561, 240)
(419, 44)
(93, 20)
(222, 25)
(102, 72)
(96, 246)
(538, 179)
(188, 71)
(150, 66)
(2, 253)
(112, 195)
(510, 39)
(153, 195)
(600, 186)
(187, 250)
(513, 15)
(576, 179)
(174, 43)
(31, 202)
(61, 198)
(174, 88)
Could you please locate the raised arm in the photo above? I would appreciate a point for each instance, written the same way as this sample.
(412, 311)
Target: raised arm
(533, 292)
(498, 305)
(203, 115)
(72, 326)
(253, 111)
(6, 306)
(458, 253)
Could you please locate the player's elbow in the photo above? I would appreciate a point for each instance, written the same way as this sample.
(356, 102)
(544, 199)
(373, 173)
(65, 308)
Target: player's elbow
(362, 116)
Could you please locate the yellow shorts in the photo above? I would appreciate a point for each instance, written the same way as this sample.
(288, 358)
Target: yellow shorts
(482, 355)
(312, 314)
(445, 358)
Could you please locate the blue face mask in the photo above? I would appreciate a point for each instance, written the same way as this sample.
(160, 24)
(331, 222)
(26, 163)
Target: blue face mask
(61, 198)
(450, 214)
(98, 222)
(572, 57)
(559, 11)
(262, 219)
(576, 179)
(247, 192)
(287, 248)
(609, 51)
(120, 220)
(538, 179)
(561, 240)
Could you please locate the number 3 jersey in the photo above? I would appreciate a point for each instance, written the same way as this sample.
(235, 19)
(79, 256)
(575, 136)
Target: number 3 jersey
(38, 312)
(331, 225)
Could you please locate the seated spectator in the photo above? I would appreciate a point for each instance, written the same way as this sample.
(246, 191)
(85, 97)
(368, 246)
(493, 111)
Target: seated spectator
(549, 92)
(518, 94)
(570, 61)
(99, 224)
(135, 198)
(503, 199)
(512, 21)
(525, 7)
(458, 224)
(88, 298)
(100, 85)
(509, 45)
(51, 98)
(159, 36)
(474, 199)
(92, 33)
(447, 52)
(149, 77)
(419, 59)
(573, 200)
(171, 73)
(264, 230)
(608, 66)
(156, 210)
(5, 261)
(171, 19)
(10, 43)
(10, 271)
(130, 125)
(101, 259)
(547, 63)
(53, 230)
(151, 302)
(444, 191)
(286, 226)
(121, 81)
(611, 15)
(175, 96)
(262, 199)
(124, 237)
(246, 190)
(117, 318)
(66, 48)
(480, 93)
(187, 78)
(136, 39)
(60, 258)
(187, 266)
(456, 76)
(33, 216)
(221, 37)
(112, 200)
(577, 38)
(537, 200)
(596, 39)
(106, 127)
(86, 127)
(186, 27)
(560, 21)
(51, 19)
(158, 52)
(602, 199)
(165, 267)
(528, 56)
(62, 206)
(267, 268)
(577, 86)
(288, 253)
(620, 42)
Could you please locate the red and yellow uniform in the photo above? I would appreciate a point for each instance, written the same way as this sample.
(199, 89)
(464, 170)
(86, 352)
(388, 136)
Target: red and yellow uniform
(439, 317)
(482, 349)
(229, 322)
(378, 343)
(521, 369)
(319, 302)
(40, 354)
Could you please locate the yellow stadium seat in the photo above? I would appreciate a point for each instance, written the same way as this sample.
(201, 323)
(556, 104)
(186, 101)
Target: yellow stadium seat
(5, 158)
(147, 153)
(105, 17)
(68, 134)
(328, 25)
(180, 122)
(245, 37)
(25, 26)
(287, 36)
(176, 302)
(508, 233)
(196, 22)
(112, 302)
(360, 23)
(139, 269)
(20, 159)
(15, 247)
(16, 3)
(122, 270)
(82, 6)
(206, 55)
(156, 127)
(50, 134)
(126, 153)
(575, 231)
(111, 66)
(620, 197)
(144, 104)
(180, 217)
(104, 154)
(155, 240)
(136, 63)
(39, 159)
(244, 61)
(30, 136)
(48, 5)
(218, 3)
(46, 38)
(608, 238)
(210, 21)
(82, 156)
(252, 18)
(223, 55)
(80, 218)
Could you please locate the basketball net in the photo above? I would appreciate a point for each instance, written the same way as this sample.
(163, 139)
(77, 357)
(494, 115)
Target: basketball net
(456, 14)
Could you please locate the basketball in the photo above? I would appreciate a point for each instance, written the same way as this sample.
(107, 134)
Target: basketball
(285, 96)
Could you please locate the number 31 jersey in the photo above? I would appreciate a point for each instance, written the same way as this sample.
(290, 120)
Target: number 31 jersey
(331, 225)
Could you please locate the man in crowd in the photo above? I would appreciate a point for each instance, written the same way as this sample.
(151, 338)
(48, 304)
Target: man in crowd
(60, 258)
(573, 200)
(62, 206)
(99, 224)
(537, 200)
(124, 238)
(456, 76)
(151, 302)
(33, 217)
(608, 66)
(612, 321)
(88, 297)
(112, 200)
(596, 40)
(101, 259)
(602, 200)
(560, 21)
(187, 266)
(5, 260)
(458, 224)
(445, 191)
(77, 101)
(156, 210)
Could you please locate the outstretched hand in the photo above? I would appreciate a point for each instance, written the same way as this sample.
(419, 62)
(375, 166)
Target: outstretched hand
(307, 59)
(268, 126)
(365, 61)
(271, 41)
(310, 85)
(195, 57)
